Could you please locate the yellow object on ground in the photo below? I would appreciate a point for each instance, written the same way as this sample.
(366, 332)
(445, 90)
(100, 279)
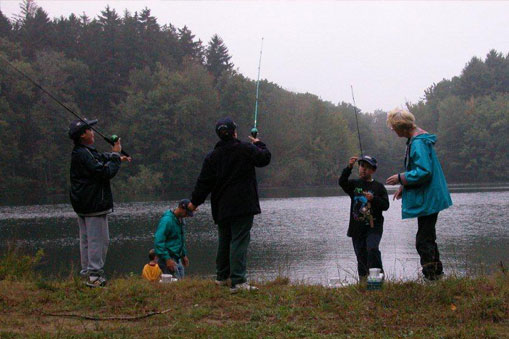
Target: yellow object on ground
(151, 272)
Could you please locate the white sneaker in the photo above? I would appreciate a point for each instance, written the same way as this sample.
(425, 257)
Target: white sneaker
(243, 287)
(96, 282)
(221, 282)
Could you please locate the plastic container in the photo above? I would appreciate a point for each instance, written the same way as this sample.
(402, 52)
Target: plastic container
(375, 279)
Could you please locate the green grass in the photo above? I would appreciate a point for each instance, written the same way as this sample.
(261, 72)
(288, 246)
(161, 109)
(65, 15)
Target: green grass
(451, 308)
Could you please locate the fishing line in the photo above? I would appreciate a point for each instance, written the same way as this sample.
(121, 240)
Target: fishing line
(357, 121)
(110, 140)
(254, 130)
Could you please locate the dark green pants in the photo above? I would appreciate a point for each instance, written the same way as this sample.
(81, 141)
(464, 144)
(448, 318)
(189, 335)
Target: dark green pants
(231, 260)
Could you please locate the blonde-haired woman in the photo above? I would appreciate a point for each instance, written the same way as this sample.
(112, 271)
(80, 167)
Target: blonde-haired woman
(422, 187)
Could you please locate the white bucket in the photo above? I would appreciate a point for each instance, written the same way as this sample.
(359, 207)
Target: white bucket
(374, 272)
(167, 278)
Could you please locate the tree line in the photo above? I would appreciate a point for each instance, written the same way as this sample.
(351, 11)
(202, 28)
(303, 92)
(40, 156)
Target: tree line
(162, 89)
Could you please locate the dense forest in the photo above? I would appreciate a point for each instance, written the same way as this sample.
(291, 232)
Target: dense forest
(162, 89)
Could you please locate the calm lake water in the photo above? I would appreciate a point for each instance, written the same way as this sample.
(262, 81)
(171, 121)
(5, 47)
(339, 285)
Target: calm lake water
(303, 238)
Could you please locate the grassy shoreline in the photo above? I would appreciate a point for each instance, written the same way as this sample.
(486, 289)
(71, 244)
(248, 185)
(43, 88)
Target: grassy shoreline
(450, 308)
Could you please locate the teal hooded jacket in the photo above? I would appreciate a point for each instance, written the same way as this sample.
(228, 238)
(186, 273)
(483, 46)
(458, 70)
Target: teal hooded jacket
(169, 239)
(425, 190)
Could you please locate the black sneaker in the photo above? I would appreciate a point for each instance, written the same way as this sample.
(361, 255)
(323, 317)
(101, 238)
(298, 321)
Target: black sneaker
(433, 278)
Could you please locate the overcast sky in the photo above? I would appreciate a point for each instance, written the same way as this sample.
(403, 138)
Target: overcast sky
(389, 51)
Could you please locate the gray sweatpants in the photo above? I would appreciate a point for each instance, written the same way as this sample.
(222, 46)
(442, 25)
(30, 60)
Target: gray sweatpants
(94, 240)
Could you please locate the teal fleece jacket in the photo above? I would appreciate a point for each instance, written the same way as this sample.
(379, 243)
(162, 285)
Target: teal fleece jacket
(170, 242)
(425, 190)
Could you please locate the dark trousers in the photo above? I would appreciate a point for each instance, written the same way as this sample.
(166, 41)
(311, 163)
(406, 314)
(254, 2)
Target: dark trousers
(425, 242)
(231, 260)
(367, 252)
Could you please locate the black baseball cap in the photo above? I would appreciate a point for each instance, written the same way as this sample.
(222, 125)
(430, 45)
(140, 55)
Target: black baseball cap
(77, 127)
(225, 127)
(184, 204)
(369, 159)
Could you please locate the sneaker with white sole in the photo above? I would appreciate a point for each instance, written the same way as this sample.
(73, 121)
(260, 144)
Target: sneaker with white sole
(243, 287)
(96, 282)
(221, 282)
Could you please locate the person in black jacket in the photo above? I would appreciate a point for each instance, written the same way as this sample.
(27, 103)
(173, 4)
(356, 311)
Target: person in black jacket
(228, 173)
(91, 197)
(368, 200)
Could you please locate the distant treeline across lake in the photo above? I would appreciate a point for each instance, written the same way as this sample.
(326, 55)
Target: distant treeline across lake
(161, 89)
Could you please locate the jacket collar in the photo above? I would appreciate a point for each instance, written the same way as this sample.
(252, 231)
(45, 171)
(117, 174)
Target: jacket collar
(222, 143)
(179, 220)
(418, 132)
(90, 147)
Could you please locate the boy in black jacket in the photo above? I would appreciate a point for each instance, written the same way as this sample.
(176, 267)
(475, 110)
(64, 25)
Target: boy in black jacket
(369, 199)
(91, 197)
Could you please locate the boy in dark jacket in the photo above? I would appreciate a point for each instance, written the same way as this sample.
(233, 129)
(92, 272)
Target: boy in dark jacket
(368, 200)
(91, 197)
(228, 173)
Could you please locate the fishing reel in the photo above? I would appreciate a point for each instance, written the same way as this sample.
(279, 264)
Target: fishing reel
(112, 140)
(254, 132)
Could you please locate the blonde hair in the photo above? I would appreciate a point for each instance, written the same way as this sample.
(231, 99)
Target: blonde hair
(400, 119)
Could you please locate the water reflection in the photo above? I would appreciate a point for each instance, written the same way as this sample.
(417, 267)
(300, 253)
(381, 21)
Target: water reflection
(303, 238)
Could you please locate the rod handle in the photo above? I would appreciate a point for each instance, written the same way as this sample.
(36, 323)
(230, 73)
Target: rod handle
(254, 132)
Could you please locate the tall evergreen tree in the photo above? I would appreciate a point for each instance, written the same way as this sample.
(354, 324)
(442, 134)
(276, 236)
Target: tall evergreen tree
(475, 79)
(189, 47)
(218, 59)
(148, 21)
(171, 54)
(67, 35)
(106, 66)
(35, 31)
(498, 67)
(5, 26)
(151, 44)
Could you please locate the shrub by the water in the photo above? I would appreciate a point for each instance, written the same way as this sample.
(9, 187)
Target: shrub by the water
(17, 266)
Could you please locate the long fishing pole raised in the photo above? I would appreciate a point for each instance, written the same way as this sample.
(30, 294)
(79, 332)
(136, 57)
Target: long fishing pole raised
(110, 140)
(357, 121)
(254, 130)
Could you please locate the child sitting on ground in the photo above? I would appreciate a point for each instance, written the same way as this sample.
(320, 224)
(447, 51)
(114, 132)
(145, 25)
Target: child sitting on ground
(151, 271)
(170, 242)
(368, 200)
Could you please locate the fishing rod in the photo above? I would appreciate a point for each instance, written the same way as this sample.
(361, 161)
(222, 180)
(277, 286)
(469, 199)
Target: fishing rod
(110, 140)
(368, 205)
(254, 130)
(357, 121)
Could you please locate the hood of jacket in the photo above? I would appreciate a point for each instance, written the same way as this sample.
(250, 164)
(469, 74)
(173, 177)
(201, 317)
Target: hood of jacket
(432, 138)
